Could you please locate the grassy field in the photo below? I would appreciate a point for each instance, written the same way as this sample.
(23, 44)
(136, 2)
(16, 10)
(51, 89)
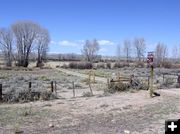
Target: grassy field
(102, 113)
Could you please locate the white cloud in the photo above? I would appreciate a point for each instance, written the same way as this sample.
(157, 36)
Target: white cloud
(68, 43)
(80, 42)
(103, 50)
(105, 42)
(53, 42)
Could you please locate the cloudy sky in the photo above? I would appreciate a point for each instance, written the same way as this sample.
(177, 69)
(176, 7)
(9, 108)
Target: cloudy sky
(71, 22)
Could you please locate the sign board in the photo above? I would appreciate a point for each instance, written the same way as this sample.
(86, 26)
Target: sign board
(150, 57)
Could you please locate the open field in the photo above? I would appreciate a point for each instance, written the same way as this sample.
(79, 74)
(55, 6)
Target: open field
(103, 113)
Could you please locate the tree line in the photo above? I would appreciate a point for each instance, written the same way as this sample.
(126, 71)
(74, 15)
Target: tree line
(137, 48)
(20, 39)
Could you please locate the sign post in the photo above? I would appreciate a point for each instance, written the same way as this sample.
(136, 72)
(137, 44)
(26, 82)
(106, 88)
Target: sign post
(150, 59)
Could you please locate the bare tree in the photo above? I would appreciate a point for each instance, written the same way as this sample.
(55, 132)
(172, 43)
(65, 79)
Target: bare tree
(127, 49)
(140, 46)
(175, 52)
(6, 42)
(118, 52)
(43, 40)
(90, 50)
(161, 53)
(25, 33)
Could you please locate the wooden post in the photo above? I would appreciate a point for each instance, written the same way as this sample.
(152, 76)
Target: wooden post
(55, 87)
(163, 78)
(90, 88)
(108, 83)
(89, 80)
(148, 82)
(0, 92)
(52, 86)
(93, 77)
(74, 95)
(151, 82)
(30, 86)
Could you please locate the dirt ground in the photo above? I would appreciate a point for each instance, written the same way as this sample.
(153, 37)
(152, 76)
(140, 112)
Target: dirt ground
(119, 113)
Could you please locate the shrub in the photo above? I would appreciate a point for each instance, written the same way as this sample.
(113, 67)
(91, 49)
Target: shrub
(47, 95)
(120, 65)
(108, 65)
(64, 66)
(73, 65)
(114, 87)
(87, 94)
(117, 65)
(26, 96)
(167, 64)
(101, 65)
(80, 65)
(139, 64)
(21, 96)
(168, 82)
(39, 64)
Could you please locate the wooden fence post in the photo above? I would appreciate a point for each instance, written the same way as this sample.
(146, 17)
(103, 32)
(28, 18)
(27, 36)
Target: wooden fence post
(94, 77)
(74, 95)
(108, 83)
(148, 82)
(0, 92)
(30, 86)
(55, 87)
(163, 78)
(90, 88)
(52, 86)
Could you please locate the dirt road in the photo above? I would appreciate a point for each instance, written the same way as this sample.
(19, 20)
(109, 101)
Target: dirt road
(120, 113)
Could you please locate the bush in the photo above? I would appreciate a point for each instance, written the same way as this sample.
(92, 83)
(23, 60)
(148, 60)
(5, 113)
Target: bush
(108, 65)
(64, 66)
(114, 87)
(87, 94)
(167, 64)
(46, 95)
(26, 96)
(73, 65)
(168, 82)
(21, 96)
(101, 65)
(120, 65)
(139, 64)
(80, 65)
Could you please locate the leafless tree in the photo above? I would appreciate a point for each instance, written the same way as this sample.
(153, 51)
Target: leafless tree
(90, 50)
(119, 52)
(25, 33)
(43, 40)
(127, 49)
(161, 53)
(175, 52)
(140, 46)
(6, 43)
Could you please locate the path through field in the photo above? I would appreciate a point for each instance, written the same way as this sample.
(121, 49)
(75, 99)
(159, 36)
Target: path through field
(100, 79)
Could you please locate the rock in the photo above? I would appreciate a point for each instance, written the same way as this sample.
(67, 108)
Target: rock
(126, 131)
(51, 125)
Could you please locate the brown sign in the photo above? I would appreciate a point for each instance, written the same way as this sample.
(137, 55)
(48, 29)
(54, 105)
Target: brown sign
(150, 57)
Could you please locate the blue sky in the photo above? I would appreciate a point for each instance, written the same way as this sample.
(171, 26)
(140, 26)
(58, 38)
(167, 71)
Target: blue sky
(70, 22)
